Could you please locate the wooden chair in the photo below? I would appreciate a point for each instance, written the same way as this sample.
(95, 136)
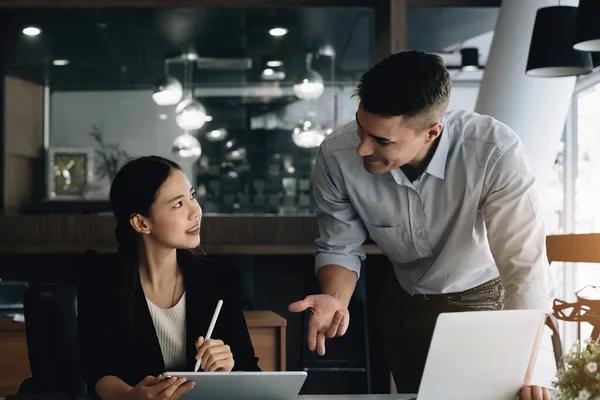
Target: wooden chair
(573, 248)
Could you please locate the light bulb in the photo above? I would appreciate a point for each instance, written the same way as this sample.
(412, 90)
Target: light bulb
(167, 91)
(190, 115)
(186, 148)
(307, 134)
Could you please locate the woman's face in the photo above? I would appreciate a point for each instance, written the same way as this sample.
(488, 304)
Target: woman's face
(175, 214)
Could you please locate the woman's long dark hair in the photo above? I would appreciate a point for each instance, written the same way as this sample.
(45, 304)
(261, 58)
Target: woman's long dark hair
(133, 191)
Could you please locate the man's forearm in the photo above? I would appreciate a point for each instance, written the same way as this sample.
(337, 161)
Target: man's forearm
(338, 282)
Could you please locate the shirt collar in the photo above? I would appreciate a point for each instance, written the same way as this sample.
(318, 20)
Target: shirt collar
(399, 177)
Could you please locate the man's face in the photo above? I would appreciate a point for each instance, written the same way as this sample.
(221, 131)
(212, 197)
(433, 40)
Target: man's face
(387, 143)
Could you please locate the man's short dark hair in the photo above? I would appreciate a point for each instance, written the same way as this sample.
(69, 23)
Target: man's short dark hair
(410, 83)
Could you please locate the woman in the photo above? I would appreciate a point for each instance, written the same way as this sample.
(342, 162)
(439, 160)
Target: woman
(145, 309)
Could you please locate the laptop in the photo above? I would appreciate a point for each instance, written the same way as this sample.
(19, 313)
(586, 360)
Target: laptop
(482, 355)
(243, 385)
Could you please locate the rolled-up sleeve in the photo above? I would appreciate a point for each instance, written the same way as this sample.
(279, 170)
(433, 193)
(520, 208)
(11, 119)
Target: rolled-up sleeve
(341, 231)
(515, 231)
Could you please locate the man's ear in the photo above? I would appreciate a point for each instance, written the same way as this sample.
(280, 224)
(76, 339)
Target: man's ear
(434, 131)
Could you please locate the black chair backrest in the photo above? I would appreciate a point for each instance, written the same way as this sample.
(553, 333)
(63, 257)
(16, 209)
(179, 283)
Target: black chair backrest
(53, 340)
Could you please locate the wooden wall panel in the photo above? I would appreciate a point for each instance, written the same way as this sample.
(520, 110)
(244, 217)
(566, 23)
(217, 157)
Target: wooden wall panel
(220, 234)
(19, 174)
(23, 140)
(390, 27)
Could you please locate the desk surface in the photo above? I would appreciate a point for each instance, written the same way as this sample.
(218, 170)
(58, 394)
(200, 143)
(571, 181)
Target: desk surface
(352, 397)
(359, 397)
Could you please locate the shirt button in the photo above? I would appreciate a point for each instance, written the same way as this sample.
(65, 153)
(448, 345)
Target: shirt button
(419, 231)
(415, 197)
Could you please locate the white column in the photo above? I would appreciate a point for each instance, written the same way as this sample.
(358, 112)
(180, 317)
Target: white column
(535, 108)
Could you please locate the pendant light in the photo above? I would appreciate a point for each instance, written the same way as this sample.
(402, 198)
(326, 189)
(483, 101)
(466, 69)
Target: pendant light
(551, 52)
(587, 26)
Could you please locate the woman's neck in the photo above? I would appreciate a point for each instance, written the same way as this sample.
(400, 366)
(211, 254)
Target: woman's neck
(158, 266)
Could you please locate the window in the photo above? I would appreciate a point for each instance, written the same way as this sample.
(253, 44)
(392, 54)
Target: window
(587, 185)
(552, 194)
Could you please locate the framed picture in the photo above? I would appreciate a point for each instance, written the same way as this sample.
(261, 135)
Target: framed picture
(70, 171)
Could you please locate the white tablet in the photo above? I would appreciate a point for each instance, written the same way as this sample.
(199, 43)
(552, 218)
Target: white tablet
(242, 385)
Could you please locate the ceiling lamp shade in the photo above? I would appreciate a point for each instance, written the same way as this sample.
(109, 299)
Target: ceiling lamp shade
(470, 59)
(310, 84)
(216, 135)
(190, 115)
(272, 74)
(274, 63)
(236, 154)
(307, 134)
(167, 91)
(595, 59)
(587, 27)
(186, 148)
(551, 52)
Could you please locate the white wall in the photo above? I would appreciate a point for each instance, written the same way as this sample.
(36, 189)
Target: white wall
(130, 118)
(463, 97)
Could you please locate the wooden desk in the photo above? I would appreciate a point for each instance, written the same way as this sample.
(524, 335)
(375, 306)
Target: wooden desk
(14, 361)
(267, 331)
(359, 397)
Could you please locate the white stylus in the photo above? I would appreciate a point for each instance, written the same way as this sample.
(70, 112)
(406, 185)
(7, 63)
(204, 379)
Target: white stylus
(210, 330)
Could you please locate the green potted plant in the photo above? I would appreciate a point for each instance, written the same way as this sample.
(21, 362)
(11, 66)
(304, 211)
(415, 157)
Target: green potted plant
(110, 156)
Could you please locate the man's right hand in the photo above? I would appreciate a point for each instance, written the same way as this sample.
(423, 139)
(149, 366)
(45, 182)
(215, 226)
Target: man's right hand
(153, 388)
(329, 318)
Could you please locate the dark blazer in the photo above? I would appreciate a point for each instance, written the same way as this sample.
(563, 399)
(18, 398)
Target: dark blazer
(117, 335)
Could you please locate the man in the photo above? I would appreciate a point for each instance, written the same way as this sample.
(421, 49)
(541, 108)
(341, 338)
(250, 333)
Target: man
(448, 197)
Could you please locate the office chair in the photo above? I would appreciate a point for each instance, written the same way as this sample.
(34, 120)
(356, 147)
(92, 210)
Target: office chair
(52, 341)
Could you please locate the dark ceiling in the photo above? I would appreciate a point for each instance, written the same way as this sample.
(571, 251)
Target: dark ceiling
(124, 48)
